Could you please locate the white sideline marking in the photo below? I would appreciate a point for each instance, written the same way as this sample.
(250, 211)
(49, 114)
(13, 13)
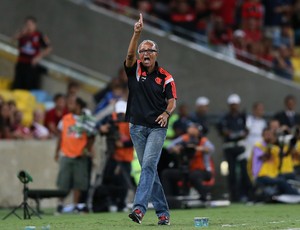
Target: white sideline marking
(232, 225)
(272, 222)
(276, 222)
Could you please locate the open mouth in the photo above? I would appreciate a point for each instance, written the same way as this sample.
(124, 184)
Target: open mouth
(146, 60)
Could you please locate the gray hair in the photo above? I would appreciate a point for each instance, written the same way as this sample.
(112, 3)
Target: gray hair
(154, 45)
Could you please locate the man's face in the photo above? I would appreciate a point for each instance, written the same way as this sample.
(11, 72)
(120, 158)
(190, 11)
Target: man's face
(71, 104)
(259, 110)
(193, 131)
(30, 26)
(148, 54)
(60, 103)
(291, 104)
(269, 136)
(234, 107)
(202, 109)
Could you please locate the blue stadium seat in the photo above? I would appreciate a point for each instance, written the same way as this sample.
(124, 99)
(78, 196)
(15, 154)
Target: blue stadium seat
(41, 95)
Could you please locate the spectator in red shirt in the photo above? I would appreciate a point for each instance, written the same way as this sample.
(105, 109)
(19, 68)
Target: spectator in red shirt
(54, 115)
(253, 9)
(224, 9)
(123, 2)
(33, 46)
(221, 37)
(202, 14)
(183, 15)
(144, 6)
(220, 33)
(267, 55)
(253, 33)
(240, 45)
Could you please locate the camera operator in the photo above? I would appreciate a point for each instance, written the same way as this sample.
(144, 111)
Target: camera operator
(195, 166)
(119, 155)
(286, 140)
(264, 162)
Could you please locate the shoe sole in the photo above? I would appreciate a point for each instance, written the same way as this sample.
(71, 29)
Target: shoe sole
(134, 218)
(165, 223)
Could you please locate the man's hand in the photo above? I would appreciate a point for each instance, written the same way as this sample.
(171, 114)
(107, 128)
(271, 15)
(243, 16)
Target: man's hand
(104, 128)
(177, 149)
(35, 60)
(138, 26)
(162, 119)
(119, 144)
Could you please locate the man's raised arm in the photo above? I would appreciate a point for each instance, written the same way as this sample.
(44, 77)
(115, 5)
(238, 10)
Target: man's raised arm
(131, 53)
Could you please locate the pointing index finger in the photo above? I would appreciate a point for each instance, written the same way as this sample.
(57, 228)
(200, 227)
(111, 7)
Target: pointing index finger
(141, 18)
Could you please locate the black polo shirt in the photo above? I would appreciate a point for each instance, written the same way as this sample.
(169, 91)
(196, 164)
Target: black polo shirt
(148, 94)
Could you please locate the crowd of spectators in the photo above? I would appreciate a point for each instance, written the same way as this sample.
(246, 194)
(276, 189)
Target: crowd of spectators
(260, 32)
(44, 122)
(262, 152)
(11, 126)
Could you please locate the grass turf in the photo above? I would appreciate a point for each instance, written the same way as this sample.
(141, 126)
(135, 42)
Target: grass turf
(237, 216)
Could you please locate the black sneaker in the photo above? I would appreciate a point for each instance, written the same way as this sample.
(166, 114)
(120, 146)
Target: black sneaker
(136, 216)
(163, 220)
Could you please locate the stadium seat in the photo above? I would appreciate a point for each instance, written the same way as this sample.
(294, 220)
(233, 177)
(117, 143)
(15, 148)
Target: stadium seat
(296, 66)
(27, 117)
(5, 83)
(26, 103)
(24, 95)
(41, 95)
(7, 95)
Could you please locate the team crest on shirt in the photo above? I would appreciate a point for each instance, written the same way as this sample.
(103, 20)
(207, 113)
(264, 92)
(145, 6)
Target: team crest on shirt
(158, 80)
(143, 76)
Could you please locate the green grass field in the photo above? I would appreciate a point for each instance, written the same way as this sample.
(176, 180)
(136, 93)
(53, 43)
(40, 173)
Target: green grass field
(237, 216)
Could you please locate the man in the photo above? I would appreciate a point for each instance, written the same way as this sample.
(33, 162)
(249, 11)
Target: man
(200, 114)
(194, 153)
(54, 115)
(263, 164)
(75, 142)
(33, 46)
(288, 117)
(232, 128)
(255, 123)
(120, 155)
(152, 99)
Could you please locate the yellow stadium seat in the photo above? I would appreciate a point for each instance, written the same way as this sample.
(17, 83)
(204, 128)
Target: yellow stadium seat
(26, 103)
(24, 95)
(296, 66)
(7, 94)
(5, 83)
(27, 118)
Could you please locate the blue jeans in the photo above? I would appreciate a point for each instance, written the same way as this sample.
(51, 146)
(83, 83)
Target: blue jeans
(148, 144)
